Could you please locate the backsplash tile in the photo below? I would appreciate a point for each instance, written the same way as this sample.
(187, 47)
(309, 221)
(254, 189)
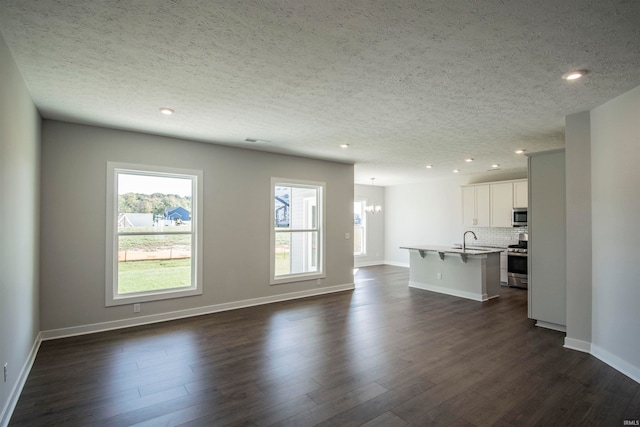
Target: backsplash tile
(495, 236)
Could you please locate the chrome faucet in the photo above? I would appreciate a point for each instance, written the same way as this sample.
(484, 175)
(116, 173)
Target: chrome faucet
(464, 239)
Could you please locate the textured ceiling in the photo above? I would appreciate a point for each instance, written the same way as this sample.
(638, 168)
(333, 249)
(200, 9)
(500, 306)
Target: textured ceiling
(404, 83)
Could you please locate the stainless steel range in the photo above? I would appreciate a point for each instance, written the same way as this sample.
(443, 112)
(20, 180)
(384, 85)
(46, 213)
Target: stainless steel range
(517, 263)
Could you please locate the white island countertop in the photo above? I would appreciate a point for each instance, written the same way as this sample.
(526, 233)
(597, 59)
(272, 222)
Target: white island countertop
(470, 250)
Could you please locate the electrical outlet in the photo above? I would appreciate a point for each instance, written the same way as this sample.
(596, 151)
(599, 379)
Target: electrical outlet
(318, 282)
(440, 276)
(136, 308)
(5, 372)
(347, 236)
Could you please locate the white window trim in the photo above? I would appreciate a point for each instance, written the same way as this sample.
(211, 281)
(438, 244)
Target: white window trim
(112, 298)
(320, 274)
(364, 216)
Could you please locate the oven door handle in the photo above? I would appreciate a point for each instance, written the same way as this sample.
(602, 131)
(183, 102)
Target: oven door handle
(516, 254)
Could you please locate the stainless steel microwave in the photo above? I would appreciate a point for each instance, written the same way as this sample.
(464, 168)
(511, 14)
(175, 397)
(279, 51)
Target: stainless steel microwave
(519, 217)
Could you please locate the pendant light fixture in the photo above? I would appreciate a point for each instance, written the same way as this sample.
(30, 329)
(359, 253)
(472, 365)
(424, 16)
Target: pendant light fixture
(373, 208)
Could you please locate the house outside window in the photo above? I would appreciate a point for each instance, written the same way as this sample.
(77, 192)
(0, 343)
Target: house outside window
(154, 243)
(297, 237)
(359, 228)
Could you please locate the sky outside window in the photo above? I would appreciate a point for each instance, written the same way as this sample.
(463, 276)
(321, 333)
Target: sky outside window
(145, 184)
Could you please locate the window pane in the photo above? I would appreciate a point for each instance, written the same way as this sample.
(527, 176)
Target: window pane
(283, 254)
(149, 263)
(359, 227)
(303, 208)
(153, 203)
(358, 240)
(358, 208)
(296, 208)
(133, 223)
(282, 207)
(296, 253)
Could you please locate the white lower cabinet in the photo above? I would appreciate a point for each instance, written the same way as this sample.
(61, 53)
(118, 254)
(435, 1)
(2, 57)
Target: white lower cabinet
(504, 267)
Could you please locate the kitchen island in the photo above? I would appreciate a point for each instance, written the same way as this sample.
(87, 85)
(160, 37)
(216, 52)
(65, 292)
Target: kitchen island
(471, 273)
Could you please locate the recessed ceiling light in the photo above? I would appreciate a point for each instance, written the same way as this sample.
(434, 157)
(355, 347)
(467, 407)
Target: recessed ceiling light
(520, 151)
(469, 160)
(166, 111)
(344, 145)
(495, 165)
(429, 166)
(456, 171)
(573, 75)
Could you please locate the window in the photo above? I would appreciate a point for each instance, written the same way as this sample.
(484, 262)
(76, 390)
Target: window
(359, 228)
(297, 237)
(154, 244)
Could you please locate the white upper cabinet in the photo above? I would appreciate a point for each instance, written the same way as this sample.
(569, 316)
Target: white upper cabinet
(491, 204)
(501, 204)
(483, 205)
(476, 206)
(469, 206)
(520, 194)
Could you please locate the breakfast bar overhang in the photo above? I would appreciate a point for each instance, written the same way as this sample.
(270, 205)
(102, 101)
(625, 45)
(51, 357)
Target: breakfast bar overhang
(466, 273)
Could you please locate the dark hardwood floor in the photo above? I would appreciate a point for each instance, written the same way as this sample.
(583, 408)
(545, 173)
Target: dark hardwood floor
(382, 355)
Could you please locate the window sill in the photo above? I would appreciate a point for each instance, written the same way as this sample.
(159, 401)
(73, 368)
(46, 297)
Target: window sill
(152, 296)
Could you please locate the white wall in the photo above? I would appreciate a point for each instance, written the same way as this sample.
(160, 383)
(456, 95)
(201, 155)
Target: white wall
(578, 229)
(19, 194)
(236, 224)
(615, 198)
(419, 214)
(375, 225)
(431, 213)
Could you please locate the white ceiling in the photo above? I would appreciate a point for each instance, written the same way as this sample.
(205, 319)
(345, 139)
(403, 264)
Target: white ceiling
(404, 83)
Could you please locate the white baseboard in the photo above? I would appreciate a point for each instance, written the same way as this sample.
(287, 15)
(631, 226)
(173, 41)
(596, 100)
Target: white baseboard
(368, 263)
(615, 362)
(448, 291)
(10, 406)
(397, 264)
(174, 315)
(549, 325)
(579, 345)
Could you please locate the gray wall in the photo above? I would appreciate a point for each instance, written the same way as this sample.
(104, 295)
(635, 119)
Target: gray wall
(236, 224)
(615, 197)
(547, 238)
(375, 225)
(578, 211)
(19, 193)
